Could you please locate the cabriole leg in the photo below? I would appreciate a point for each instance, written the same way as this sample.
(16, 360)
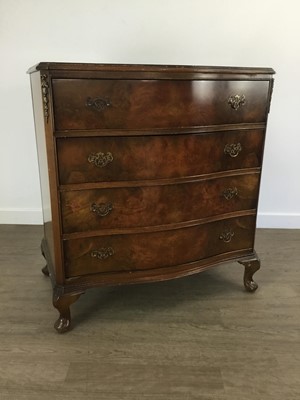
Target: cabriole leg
(62, 302)
(45, 269)
(251, 266)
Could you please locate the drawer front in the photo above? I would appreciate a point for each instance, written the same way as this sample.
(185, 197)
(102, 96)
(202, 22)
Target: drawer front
(90, 210)
(160, 249)
(155, 157)
(147, 104)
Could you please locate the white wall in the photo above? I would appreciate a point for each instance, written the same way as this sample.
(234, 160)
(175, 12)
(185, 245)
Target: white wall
(215, 32)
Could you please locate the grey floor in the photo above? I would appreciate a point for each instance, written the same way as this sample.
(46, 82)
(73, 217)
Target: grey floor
(201, 337)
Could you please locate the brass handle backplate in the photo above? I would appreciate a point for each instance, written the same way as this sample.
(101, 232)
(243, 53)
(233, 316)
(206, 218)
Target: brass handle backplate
(236, 101)
(226, 236)
(98, 103)
(101, 209)
(103, 253)
(100, 159)
(229, 193)
(233, 149)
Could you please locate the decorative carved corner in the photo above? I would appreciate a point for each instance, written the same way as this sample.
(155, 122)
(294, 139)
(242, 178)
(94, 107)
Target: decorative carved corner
(45, 95)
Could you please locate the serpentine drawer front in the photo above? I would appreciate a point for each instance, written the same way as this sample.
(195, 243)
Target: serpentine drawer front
(115, 104)
(129, 207)
(147, 172)
(104, 159)
(144, 251)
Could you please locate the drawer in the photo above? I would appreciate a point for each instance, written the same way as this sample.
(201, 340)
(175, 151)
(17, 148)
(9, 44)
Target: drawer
(106, 159)
(91, 210)
(147, 104)
(146, 251)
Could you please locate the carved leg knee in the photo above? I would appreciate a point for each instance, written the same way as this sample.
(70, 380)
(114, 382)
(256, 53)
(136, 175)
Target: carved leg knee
(45, 269)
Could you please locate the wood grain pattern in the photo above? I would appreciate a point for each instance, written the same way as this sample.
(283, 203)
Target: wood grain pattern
(155, 103)
(157, 205)
(159, 249)
(157, 157)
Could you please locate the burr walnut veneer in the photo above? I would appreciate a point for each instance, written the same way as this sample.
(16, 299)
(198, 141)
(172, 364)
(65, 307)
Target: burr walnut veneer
(147, 172)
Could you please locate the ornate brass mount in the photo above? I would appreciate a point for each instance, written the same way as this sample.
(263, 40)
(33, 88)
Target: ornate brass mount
(236, 101)
(229, 193)
(101, 209)
(103, 253)
(100, 159)
(233, 149)
(98, 103)
(226, 236)
(45, 95)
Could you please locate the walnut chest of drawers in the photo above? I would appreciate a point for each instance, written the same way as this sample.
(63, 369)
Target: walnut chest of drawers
(147, 172)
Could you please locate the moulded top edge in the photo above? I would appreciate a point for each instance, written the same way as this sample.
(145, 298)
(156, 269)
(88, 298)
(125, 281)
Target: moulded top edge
(148, 68)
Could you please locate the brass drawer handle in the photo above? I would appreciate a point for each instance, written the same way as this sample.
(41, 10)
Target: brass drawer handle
(233, 149)
(103, 253)
(229, 193)
(98, 103)
(100, 159)
(101, 209)
(236, 101)
(226, 236)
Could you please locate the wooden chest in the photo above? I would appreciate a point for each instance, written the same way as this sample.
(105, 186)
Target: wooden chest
(147, 172)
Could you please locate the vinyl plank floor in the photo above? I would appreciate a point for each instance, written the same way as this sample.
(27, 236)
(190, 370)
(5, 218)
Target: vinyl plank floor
(201, 337)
